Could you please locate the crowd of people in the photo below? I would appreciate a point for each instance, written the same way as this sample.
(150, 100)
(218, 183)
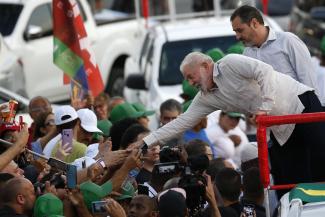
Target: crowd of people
(98, 157)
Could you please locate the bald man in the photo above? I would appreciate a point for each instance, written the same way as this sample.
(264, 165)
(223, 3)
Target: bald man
(17, 198)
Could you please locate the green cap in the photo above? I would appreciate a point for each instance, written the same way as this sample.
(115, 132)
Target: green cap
(139, 107)
(235, 115)
(48, 205)
(216, 54)
(105, 127)
(322, 46)
(189, 91)
(124, 110)
(186, 105)
(127, 192)
(237, 48)
(93, 192)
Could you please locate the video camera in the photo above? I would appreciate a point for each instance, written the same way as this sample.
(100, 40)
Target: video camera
(192, 180)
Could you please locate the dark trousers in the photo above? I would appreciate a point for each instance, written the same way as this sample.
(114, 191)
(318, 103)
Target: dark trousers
(302, 157)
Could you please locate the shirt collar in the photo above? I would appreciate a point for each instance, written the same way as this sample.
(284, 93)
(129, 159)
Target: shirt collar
(272, 35)
(215, 73)
(216, 70)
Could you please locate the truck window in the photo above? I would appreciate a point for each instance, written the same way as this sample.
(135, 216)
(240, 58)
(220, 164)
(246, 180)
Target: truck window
(174, 52)
(42, 17)
(9, 14)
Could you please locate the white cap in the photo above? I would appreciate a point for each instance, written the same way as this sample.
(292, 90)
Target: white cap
(65, 114)
(88, 120)
(249, 152)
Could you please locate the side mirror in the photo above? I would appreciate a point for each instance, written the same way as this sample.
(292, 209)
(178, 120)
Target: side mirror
(136, 81)
(33, 32)
(318, 13)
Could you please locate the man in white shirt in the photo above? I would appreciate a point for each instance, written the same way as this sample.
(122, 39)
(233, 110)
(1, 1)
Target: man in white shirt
(284, 51)
(242, 84)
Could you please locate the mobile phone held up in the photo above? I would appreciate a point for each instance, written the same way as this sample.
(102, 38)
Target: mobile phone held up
(67, 136)
(71, 176)
(98, 207)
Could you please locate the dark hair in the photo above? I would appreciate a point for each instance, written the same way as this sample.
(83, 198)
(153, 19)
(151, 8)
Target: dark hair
(196, 147)
(131, 135)
(40, 122)
(252, 185)
(246, 13)
(228, 182)
(170, 105)
(69, 125)
(118, 129)
(215, 166)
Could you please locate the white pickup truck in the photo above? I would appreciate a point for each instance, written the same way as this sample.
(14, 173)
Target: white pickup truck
(26, 26)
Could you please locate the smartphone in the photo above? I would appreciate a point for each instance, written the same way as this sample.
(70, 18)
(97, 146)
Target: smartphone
(98, 207)
(67, 136)
(142, 189)
(249, 210)
(57, 164)
(71, 176)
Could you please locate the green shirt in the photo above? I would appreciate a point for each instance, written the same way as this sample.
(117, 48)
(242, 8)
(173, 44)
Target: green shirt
(78, 151)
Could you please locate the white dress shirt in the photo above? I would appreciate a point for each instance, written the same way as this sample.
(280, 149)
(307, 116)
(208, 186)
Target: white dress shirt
(287, 54)
(244, 85)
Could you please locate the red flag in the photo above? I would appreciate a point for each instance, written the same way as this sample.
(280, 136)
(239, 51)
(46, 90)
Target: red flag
(72, 52)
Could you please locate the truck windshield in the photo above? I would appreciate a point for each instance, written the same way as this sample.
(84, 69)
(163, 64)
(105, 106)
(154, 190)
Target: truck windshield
(9, 14)
(174, 52)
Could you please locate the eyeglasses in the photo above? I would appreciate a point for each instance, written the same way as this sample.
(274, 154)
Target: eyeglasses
(50, 122)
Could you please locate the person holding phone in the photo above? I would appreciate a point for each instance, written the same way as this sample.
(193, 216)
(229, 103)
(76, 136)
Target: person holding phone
(67, 148)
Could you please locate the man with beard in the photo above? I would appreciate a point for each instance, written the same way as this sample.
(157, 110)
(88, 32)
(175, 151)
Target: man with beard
(17, 198)
(143, 206)
(242, 84)
(284, 51)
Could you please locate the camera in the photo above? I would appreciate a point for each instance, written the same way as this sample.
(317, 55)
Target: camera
(248, 210)
(194, 183)
(54, 179)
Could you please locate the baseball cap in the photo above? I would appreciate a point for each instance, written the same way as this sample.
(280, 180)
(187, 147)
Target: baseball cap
(48, 205)
(249, 152)
(189, 91)
(93, 192)
(172, 202)
(322, 45)
(124, 110)
(139, 107)
(88, 120)
(186, 105)
(237, 48)
(235, 115)
(215, 53)
(65, 114)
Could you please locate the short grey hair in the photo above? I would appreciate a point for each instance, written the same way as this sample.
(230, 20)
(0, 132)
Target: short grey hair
(193, 59)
